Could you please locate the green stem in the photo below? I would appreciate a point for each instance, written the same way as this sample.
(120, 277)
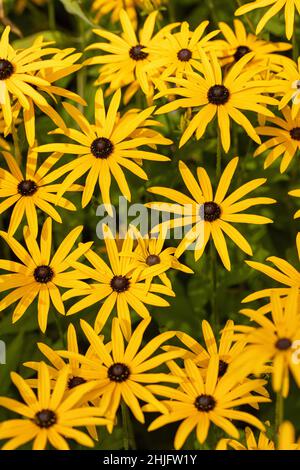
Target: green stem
(128, 434)
(214, 286)
(295, 45)
(279, 411)
(171, 11)
(16, 141)
(81, 74)
(219, 156)
(51, 15)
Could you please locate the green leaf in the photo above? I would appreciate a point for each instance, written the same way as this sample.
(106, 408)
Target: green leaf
(73, 7)
(13, 359)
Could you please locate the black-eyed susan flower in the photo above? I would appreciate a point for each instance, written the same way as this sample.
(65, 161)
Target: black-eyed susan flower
(64, 65)
(219, 211)
(123, 374)
(106, 147)
(17, 76)
(47, 416)
(199, 403)
(284, 273)
(238, 42)
(224, 98)
(152, 259)
(272, 341)
(31, 191)
(178, 52)
(251, 443)
(118, 284)
(274, 7)
(284, 139)
(295, 193)
(288, 86)
(38, 274)
(127, 58)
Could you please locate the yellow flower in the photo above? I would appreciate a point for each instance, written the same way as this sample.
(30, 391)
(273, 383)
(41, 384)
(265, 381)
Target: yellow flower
(120, 374)
(33, 191)
(288, 86)
(151, 260)
(285, 274)
(274, 7)
(127, 59)
(219, 211)
(117, 284)
(17, 79)
(296, 193)
(64, 65)
(286, 437)
(238, 43)
(199, 402)
(48, 417)
(105, 147)
(221, 97)
(39, 274)
(178, 53)
(114, 7)
(284, 139)
(263, 442)
(273, 341)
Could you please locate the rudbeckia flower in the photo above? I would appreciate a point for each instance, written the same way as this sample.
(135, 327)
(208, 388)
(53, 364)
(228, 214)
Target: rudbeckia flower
(38, 274)
(272, 341)
(64, 65)
(105, 147)
(152, 259)
(238, 43)
(221, 97)
(31, 191)
(288, 86)
(48, 417)
(178, 52)
(127, 58)
(122, 375)
(274, 8)
(284, 139)
(17, 76)
(118, 284)
(199, 403)
(219, 211)
(251, 443)
(295, 193)
(285, 273)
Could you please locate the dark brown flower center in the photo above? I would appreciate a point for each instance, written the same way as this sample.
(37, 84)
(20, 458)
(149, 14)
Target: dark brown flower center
(27, 188)
(240, 52)
(6, 69)
(45, 418)
(283, 344)
(152, 260)
(295, 133)
(102, 147)
(75, 381)
(212, 211)
(205, 403)
(118, 372)
(218, 94)
(136, 52)
(223, 366)
(43, 274)
(120, 283)
(184, 55)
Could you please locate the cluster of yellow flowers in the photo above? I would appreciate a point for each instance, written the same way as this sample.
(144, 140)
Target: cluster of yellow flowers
(173, 374)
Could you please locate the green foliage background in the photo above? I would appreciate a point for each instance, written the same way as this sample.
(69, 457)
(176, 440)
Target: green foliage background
(71, 27)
